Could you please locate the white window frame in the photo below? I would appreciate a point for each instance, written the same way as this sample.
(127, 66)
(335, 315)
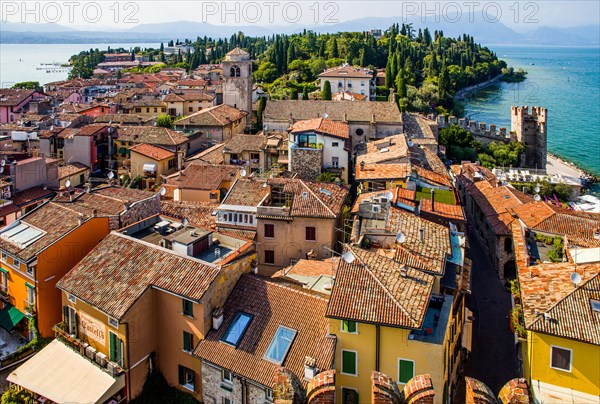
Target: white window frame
(4, 257)
(113, 322)
(269, 394)
(348, 332)
(72, 298)
(226, 400)
(570, 358)
(17, 264)
(355, 363)
(30, 295)
(190, 387)
(30, 269)
(398, 371)
(4, 279)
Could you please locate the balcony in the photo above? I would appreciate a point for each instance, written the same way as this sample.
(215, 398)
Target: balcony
(281, 211)
(86, 351)
(4, 294)
(29, 307)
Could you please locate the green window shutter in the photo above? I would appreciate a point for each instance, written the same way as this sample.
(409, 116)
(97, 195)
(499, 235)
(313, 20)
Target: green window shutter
(407, 370)
(29, 285)
(349, 362)
(349, 326)
(4, 271)
(187, 341)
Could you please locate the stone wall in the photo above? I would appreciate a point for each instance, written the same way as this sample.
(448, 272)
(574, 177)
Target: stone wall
(306, 162)
(213, 392)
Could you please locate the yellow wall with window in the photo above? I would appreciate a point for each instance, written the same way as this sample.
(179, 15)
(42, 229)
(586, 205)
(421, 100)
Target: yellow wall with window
(394, 345)
(585, 363)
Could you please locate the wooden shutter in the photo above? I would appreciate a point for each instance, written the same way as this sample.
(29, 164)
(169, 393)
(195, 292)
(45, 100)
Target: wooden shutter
(181, 375)
(407, 369)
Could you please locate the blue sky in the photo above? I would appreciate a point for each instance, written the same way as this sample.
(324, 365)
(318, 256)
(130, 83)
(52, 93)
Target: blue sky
(522, 16)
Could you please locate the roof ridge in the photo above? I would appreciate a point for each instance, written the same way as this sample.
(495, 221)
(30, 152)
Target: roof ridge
(553, 306)
(387, 292)
(319, 199)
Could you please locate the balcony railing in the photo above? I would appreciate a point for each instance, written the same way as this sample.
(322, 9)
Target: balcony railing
(29, 307)
(84, 349)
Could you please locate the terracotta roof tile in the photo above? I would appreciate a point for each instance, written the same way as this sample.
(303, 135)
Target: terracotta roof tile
(203, 176)
(198, 213)
(271, 303)
(152, 135)
(71, 169)
(298, 110)
(382, 171)
(246, 192)
(219, 115)
(120, 269)
(212, 155)
(323, 126)
(241, 143)
(391, 148)
(371, 289)
(153, 152)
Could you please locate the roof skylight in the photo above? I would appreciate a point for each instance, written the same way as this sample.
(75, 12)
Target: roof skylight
(280, 345)
(236, 329)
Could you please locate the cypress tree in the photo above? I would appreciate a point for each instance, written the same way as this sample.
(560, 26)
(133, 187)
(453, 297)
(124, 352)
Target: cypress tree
(305, 93)
(326, 95)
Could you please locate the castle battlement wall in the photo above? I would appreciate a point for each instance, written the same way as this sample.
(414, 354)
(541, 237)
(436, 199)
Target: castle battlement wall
(528, 125)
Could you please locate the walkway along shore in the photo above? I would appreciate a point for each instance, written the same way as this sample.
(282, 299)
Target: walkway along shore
(460, 94)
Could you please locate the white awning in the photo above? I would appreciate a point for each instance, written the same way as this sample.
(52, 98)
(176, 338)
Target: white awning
(150, 167)
(60, 374)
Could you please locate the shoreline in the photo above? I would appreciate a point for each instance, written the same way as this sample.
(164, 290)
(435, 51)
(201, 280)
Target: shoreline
(460, 94)
(583, 173)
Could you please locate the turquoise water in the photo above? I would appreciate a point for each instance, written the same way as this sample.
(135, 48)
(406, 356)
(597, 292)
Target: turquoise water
(564, 80)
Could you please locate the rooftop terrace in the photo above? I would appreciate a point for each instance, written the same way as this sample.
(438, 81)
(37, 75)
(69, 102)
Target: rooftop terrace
(435, 322)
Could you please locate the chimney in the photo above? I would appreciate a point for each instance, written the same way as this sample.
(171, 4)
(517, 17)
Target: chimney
(422, 234)
(217, 318)
(310, 368)
(432, 200)
(362, 165)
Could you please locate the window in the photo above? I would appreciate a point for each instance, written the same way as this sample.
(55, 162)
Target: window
(113, 322)
(269, 394)
(335, 161)
(270, 230)
(595, 305)
(226, 380)
(406, 370)
(115, 348)
(188, 308)
(359, 132)
(17, 264)
(349, 396)
(226, 401)
(311, 233)
(71, 298)
(30, 293)
(349, 362)
(4, 257)
(171, 163)
(269, 257)
(70, 319)
(188, 341)
(236, 329)
(147, 110)
(280, 345)
(4, 285)
(362, 83)
(255, 156)
(306, 140)
(335, 144)
(155, 109)
(349, 327)
(560, 358)
(30, 268)
(186, 378)
(191, 109)
(81, 178)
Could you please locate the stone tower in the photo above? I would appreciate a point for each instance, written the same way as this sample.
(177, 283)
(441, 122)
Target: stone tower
(237, 89)
(530, 129)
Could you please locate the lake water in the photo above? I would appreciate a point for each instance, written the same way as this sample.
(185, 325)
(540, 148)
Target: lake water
(564, 80)
(21, 62)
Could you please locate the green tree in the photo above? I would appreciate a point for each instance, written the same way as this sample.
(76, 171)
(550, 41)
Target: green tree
(563, 191)
(28, 85)
(326, 94)
(457, 136)
(262, 103)
(164, 121)
(305, 93)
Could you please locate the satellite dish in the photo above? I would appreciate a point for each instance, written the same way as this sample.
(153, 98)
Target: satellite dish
(111, 175)
(389, 195)
(575, 278)
(243, 173)
(3, 163)
(537, 197)
(162, 191)
(68, 183)
(537, 189)
(185, 221)
(400, 238)
(410, 143)
(325, 115)
(348, 257)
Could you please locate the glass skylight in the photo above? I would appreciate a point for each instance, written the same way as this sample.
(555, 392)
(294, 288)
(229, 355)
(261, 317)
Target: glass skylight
(280, 345)
(236, 329)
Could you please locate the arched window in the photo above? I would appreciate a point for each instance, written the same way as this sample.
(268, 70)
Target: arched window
(359, 132)
(234, 71)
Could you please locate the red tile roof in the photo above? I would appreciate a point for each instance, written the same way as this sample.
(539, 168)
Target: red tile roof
(153, 152)
(120, 269)
(198, 213)
(246, 192)
(271, 303)
(203, 176)
(323, 126)
(382, 171)
(372, 290)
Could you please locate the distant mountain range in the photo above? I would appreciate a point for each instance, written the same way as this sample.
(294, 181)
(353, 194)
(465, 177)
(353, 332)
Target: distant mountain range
(484, 32)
